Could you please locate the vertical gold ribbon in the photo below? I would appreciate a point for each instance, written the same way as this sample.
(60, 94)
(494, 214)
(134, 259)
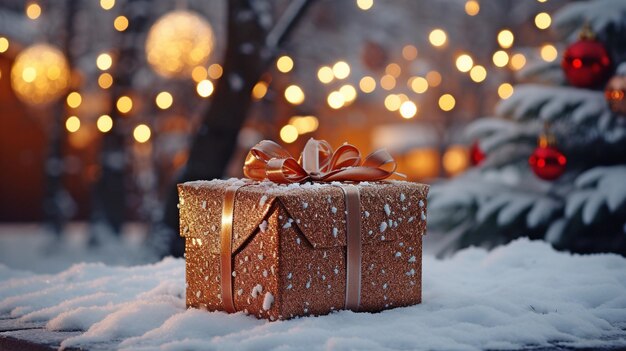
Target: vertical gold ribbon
(226, 243)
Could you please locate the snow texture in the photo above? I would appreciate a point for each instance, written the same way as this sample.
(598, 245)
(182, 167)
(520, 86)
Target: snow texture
(521, 295)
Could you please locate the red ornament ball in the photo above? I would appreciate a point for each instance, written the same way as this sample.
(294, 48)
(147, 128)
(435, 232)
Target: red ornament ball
(476, 154)
(586, 63)
(547, 162)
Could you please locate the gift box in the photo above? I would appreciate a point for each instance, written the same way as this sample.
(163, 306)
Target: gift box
(277, 251)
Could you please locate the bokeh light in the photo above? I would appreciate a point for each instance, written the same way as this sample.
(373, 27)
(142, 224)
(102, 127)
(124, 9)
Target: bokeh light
(472, 7)
(325, 74)
(437, 37)
(549, 53)
(164, 100)
(409, 52)
(124, 104)
(408, 109)
(284, 64)
(505, 90)
(335, 100)
(367, 84)
(419, 85)
(455, 160)
(478, 73)
(259, 90)
(142, 133)
(215, 71)
(4, 44)
(341, 70)
(104, 123)
(447, 102)
(365, 4)
(72, 124)
(294, 94)
(505, 38)
(288, 133)
(348, 92)
(543, 20)
(434, 78)
(387, 82)
(464, 63)
(33, 10)
(120, 23)
(107, 4)
(500, 58)
(104, 61)
(105, 80)
(518, 61)
(74, 99)
(204, 88)
(392, 102)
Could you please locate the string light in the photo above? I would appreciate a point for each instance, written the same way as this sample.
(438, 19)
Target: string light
(393, 69)
(107, 4)
(367, 84)
(409, 52)
(142, 133)
(387, 82)
(124, 104)
(472, 7)
(204, 88)
(549, 53)
(341, 70)
(164, 100)
(120, 23)
(198, 73)
(325, 74)
(433, 78)
(104, 61)
(392, 102)
(408, 109)
(4, 44)
(447, 102)
(74, 99)
(33, 11)
(294, 94)
(505, 38)
(365, 4)
(335, 100)
(464, 63)
(105, 80)
(437, 37)
(478, 73)
(284, 64)
(505, 90)
(419, 85)
(518, 61)
(259, 90)
(288, 133)
(543, 20)
(500, 58)
(104, 123)
(348, 92)
(215, 71)
(72, 124)
(304, 124)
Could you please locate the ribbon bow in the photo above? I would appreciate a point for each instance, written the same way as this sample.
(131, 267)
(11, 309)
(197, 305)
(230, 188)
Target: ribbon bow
(317, 162)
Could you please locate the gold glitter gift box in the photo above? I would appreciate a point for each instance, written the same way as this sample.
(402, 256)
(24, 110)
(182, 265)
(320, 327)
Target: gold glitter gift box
(289, 253)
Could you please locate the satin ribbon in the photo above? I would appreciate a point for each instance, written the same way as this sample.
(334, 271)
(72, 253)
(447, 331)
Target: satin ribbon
(317, 162)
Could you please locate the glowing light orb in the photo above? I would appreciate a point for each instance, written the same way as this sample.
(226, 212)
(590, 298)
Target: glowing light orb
(40, 74)
(178, 42)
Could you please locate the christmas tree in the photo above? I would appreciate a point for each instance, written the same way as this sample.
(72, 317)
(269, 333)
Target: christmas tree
(554, 164)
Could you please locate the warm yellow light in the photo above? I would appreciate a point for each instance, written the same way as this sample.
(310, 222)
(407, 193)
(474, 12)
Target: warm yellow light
(204, 88)
(367, 84)
(543, 20)
(472, 7)
(178, 42)
(505, 90)
(365, 4)
(393, 69)
(4, 44)
(120, 23)
(164, 100)
(423, 163)
(408, 109)
(40, 74)
(478, 73)
(518, 61)
(409, 52)
(284, 64)
(419, 85)
(142, 133)
(294, 94)
(124, 104)
(72, 124)
(393, 102)
(198, 73)
(348, 92)
(433, 78)
(341, 70)
(335, 100)
(446, 102)
(455, 159)
(325, 74)
(387, 82)
(500, 58)
(104, 123)
(304, 124)
(437, 37)
(105, 80)
(259, 90)
(74, 99)
(549, 53)
(215, 71)
(464, 63)
(288, 133)
(104, 61)
(107, 4)
(33, 11)
(505, 38)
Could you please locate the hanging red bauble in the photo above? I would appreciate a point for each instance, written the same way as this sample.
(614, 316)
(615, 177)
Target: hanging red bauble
(547, 162)
(586, 63)
(476, 154)
(614, 93)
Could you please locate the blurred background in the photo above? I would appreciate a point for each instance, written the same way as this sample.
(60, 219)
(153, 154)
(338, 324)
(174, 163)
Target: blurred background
(105, 105)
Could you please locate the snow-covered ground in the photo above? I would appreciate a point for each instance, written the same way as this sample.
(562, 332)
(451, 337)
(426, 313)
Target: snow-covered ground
(517, 296)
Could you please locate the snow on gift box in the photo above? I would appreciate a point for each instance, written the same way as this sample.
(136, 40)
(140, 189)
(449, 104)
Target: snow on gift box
(323, 235)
